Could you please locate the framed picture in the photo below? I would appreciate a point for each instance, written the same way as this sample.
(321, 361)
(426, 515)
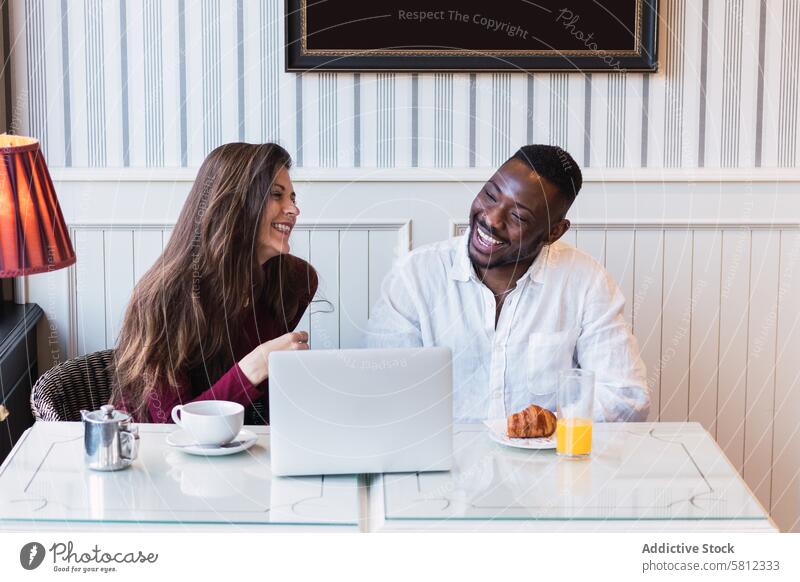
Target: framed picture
(469, 35)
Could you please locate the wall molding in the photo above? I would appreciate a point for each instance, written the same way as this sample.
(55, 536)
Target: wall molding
(403, 227)
(398, 224)
(347, 175)
(458, 226)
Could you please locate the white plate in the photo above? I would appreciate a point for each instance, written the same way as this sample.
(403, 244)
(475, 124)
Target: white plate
(181, 440)
(497, 432)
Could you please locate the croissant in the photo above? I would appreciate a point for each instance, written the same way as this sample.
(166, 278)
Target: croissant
(532, 422)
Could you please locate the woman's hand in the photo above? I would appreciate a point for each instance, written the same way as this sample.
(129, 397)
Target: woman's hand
(255, 364)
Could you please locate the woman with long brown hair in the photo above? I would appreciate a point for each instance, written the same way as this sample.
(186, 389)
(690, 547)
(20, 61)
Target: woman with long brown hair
(223, 294)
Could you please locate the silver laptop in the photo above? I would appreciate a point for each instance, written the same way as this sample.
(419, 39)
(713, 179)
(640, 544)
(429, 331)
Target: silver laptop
(360, 411)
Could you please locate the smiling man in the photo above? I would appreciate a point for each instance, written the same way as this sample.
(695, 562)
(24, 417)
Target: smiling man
(513, 303)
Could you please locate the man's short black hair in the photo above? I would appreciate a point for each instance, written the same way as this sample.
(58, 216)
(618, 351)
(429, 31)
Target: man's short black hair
(554, 164)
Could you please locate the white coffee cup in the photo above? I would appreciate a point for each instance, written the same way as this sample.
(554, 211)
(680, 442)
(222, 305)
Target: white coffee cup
(210, 422)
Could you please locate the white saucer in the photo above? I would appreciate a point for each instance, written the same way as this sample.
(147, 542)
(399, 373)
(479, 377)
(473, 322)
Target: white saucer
(181, 440)
(497, 432)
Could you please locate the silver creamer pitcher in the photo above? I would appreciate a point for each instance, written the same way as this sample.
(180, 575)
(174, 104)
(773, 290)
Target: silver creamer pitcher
(110, 443)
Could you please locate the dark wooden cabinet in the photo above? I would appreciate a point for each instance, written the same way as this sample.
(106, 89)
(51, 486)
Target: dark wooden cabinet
(18, 370)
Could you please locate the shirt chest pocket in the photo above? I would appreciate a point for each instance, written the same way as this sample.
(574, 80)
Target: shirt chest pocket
(546, 354)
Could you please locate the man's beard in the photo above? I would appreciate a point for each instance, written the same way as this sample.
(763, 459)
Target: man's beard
(512, 260)
(519, 256)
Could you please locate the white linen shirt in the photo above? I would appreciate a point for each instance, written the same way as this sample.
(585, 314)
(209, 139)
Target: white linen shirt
(566, 311)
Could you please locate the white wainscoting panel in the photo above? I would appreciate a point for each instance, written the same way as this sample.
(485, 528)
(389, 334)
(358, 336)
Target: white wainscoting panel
(785, 486)
(351, 260)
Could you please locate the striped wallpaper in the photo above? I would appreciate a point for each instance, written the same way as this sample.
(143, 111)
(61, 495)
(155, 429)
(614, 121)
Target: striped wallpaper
(145, 83)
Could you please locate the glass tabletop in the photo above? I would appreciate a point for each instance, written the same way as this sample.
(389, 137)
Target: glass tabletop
(46, 480)
(664, 471)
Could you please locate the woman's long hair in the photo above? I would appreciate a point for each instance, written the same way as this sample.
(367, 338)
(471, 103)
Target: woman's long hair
(185, 310)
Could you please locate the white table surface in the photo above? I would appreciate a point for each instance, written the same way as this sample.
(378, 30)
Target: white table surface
(44, 485)
(641, 477)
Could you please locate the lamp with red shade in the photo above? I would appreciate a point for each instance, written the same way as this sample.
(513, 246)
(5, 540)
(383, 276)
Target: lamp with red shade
(33, 235)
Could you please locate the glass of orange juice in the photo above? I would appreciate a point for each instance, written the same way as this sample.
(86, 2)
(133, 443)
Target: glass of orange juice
(575, 408)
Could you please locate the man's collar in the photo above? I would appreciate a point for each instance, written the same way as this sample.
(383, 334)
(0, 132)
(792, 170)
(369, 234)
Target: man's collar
(462, 269)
